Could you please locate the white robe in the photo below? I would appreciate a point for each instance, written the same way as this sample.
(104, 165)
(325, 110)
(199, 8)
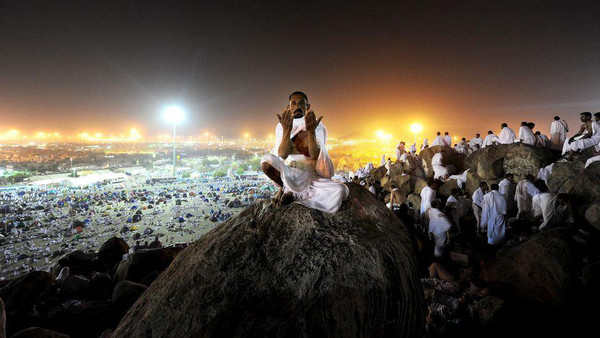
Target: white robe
(439, 224)
(308, 180)
(526, 135)
(544, 205)
(493, 216)
(438, 141)
(585, 143)
(558, 133)
(592, 160)
(545, 172)
(460, 179)
(439, 171)
(489, 140)
(454, 204)
(475, 141)
(447, 140)
(507, 136)
(523, 194)
(413, 148)
(425, 144)
(506, 189)
(427, 195)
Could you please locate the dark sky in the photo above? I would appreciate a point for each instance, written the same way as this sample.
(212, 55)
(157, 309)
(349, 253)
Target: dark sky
(462, 67)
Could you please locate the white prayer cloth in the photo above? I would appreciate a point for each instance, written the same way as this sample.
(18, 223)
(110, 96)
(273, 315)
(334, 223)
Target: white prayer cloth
(413, 148)
(489, 140)
(398, 154)
(309, 180)
(454, 205)
(558, 133)
(439, 224)
(425, 144)
(438, 141)
(526, 135)
(369, 166)
(592, 160)
(447, 140)
(383, 160)
(478, 196)
(545, 172)
(585, 143)
(492, 216)
(403, 157)
(545, 205)
(460, 179)
(507, 136)
(372, 190)
(439, 171)
(523, 194)
(427, 195)
(506, 189)
(476, 141)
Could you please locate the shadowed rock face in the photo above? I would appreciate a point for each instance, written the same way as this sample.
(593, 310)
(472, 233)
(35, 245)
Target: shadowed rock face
(289, 272)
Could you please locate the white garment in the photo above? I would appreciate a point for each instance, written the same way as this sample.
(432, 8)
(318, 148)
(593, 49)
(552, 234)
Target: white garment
(425, 144)
(585, 143)
(460, 179)
(476, 141)
(439, 171)
(545, 172)
(507, 136)
(523, 194)
(438, 226)
(413, 148)
(308, 180)
(383, 160)
(453, 204)
(492, 216)
(403, 157)
(558, 133)
(545, 205)
(369, 166)
(489, 140)
(372, 190)
(438, 141)
(526, 135)
(592, 160)
(427, 196)
(447, 140)
(506, 189)
(478, 196)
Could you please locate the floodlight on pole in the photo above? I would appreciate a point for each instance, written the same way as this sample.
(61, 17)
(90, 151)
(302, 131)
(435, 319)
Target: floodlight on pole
(416, 128)
(174, 114)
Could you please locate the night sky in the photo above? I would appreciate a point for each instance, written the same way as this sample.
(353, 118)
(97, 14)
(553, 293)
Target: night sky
(87, 65)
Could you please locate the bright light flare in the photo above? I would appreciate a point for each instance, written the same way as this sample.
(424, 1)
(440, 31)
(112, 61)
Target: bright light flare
(382, 135)
(416, 128)
(174, 114)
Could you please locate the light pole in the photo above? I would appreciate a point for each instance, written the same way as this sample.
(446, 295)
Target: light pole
(174, 114)
(416, 128)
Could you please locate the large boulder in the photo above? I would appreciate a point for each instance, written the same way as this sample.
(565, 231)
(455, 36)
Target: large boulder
(79, 262)
(74, 287)
(378, 173)
(112, 251)
(544, 269)
(585, 195)
(126, 293)
(446, 188)
(289, 272)
(38, 332)
(24, 290)
(452, 157)
(488, 162)
(145, 261)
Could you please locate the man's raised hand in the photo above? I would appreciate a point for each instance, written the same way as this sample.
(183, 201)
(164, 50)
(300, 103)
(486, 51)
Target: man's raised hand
(311, 122)
(286, 119)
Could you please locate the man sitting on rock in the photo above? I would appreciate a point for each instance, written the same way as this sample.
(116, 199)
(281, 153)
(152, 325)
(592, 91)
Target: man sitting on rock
(300, 165)
(587, 136)
(552, 208)
(507, 135)
(524, 193)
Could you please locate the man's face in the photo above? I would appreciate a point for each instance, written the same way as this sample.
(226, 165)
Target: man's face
(298, 106)
(584, 118)
(510, 178)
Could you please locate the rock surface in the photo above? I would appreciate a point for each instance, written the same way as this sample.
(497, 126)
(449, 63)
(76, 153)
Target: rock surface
(289, 272)
(543, 269)
(145, 261)
(112, 251)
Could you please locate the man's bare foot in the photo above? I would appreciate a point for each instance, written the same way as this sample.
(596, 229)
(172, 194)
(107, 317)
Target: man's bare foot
(287, 198)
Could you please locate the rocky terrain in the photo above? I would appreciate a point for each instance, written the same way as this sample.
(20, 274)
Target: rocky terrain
(289, 271)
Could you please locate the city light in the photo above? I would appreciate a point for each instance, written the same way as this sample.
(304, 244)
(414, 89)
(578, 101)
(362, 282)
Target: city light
(382, 135)
(416, 128)
(174, 114)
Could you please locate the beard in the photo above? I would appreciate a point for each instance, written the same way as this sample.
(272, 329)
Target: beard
(298, 113)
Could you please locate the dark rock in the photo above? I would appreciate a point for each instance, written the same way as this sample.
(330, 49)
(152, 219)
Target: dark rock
(286, 272)
(82, 318)
(446, 188)
(38, 332)
(488, 162)
(585, 195)
(125, 294)
(488, 310)
(522, 159)
(112, 251)
(74, 287)
(236, 203)
(79, 262)
(564, 176)
(101, 286)
(24, 290)
(544, 269)
(2, 320)
(591, 275)
(144, 261)
(378, 173)
(150, 278)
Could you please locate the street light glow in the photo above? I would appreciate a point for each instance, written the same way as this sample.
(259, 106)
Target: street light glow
(174, 114)
(416, 128)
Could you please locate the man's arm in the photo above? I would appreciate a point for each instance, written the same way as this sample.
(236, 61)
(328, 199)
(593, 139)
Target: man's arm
(287, 121)
(581, 130)
(311, 124)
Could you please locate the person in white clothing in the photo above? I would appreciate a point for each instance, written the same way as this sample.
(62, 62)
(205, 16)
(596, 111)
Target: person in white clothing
(490, 139)
(541, 140)
(476, 142)
(439, 228)
(507, 135)
(526, 135)
(524, 192)
(425, 144)
(587, 137)
(453, 207)
(305, 176)
(558, 132)
(400, 149)
(477, 203)
(507, 189)
(438, 140)
(440, 172)
(447, 140)
(551, 208)
(427, 195)
(493, 216)
(413, 149)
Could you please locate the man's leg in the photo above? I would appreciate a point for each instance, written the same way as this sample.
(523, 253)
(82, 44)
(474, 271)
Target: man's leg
(274, 174)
